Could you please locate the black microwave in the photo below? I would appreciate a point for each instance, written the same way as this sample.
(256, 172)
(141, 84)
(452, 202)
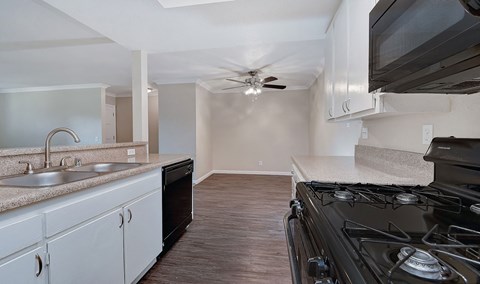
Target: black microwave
(425, 46)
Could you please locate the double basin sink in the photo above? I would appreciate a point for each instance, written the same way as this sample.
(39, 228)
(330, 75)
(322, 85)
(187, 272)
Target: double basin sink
(65, 175)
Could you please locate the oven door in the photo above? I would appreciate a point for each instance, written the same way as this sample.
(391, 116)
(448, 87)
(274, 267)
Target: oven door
(306, 263)
(408, 36)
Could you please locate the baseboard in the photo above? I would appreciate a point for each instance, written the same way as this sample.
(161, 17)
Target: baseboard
(235, 172)
(202, 178)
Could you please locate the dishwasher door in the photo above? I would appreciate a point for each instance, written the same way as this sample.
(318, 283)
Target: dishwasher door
(177, 201)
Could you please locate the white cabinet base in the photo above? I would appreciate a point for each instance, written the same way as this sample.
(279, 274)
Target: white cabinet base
(90, 254)
(28, 268)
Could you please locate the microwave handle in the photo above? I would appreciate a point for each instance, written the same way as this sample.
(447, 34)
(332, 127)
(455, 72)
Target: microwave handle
(471, 6)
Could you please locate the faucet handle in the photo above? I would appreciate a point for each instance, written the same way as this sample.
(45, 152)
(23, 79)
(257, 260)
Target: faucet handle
(77, 162)
(63, 161)
(29, 169)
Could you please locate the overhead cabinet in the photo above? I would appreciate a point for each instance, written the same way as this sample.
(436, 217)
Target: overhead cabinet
(346, 60)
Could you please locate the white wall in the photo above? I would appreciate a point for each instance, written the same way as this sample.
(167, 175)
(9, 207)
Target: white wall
(26, 118)
(329, 138)
(204, 154)
(404, 132)
(271, 130)
(176, 112)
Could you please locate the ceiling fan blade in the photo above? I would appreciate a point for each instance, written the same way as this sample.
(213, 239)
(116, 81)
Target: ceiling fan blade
(280, 87)
(238, 81)
(234, 87)
(269, 79)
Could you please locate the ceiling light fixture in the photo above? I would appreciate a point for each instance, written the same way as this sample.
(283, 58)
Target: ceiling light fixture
(253, 91)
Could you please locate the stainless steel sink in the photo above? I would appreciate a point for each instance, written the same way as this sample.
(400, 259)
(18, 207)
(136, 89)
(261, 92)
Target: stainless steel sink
(46, 179)
(104, 167)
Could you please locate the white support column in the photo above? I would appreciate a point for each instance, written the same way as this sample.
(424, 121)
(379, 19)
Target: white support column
(139, 95)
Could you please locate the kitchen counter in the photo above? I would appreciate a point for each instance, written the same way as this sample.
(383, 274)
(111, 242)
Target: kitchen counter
(15, 197)
(351, 170)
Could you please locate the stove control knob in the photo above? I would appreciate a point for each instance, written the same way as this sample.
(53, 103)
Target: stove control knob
(326, 280)
(296, 206)
(475, 208)
(317, 267)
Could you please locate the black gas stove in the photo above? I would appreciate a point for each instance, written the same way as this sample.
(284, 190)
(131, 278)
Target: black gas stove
(366, 233)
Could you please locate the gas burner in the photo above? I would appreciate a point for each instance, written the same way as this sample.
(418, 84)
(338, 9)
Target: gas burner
(343, 195)
(422, 264)
(406, 198)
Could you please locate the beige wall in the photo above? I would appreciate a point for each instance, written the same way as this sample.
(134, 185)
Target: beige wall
(125, 126)
(203, 153)
(124, 119)
(176, 108)
(271, 129)
(404, 132)
(329, 138)
(153, 124)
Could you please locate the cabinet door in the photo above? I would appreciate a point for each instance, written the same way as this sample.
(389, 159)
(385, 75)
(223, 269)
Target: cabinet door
(340, 26)
(143, 234)
(28, 268)
(329, 74)
(358, 30)
(90, 254)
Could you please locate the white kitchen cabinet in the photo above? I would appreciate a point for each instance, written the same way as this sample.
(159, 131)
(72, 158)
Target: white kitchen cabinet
(110, 233)
(91, 253)
(358, 97)
(340, 59)
(328, 82)
(346, 60)
(28, 268)
(296, 178)
(142, 234)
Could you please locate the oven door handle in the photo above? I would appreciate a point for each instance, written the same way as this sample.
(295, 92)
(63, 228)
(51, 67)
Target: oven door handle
(296, 279)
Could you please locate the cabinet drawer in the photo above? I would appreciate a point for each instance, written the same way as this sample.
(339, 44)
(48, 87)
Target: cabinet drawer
(108, 197)
(20, 234)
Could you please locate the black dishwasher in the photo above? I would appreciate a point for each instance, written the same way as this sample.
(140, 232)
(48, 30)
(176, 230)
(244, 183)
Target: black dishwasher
(177, 201)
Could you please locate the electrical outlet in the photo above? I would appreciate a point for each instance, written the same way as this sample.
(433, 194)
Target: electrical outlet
(260, 163)
(131, 160)
(130, 152)
(364, 133)
(427, 134)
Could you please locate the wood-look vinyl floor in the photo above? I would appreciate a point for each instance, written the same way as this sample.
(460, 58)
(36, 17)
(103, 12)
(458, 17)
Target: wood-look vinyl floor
(237, 235)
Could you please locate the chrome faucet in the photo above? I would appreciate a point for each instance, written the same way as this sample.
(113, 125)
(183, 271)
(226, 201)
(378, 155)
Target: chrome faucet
(48, 163)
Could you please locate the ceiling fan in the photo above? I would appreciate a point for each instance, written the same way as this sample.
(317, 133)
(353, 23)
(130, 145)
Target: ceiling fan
(255, 84)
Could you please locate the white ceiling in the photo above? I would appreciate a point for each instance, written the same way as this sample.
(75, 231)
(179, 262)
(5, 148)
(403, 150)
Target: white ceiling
(59, 42)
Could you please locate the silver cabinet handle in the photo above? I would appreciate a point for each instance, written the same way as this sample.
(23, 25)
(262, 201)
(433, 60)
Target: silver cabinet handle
(330, 112)
(40, 265)
(130, 215)
(343, 107)
(347, 104)
(121, 220)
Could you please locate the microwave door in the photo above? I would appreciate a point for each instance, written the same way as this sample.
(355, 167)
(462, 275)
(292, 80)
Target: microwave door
(409, 35)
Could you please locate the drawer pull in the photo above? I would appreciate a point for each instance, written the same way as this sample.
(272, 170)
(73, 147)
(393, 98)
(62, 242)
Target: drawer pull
(40, 265)
(121, 220)
(130, 215)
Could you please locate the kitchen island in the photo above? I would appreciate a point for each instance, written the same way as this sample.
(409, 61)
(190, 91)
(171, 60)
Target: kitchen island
(104, 229)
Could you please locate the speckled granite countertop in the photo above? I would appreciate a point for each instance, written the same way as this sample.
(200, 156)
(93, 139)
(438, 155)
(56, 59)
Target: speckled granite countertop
(351, 170)
(14, 197)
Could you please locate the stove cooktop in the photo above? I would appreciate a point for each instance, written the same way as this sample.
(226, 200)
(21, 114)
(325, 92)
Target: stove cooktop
(403, 234)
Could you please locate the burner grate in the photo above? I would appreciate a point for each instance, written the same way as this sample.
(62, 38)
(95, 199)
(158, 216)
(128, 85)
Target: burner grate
(406, 257)
(381, 196)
